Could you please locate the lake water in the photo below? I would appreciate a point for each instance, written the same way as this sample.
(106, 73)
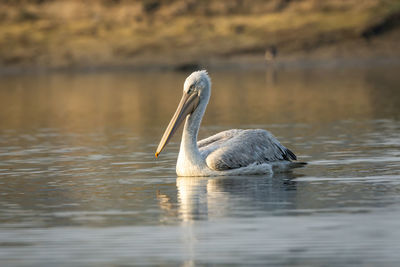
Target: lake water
(79, 184)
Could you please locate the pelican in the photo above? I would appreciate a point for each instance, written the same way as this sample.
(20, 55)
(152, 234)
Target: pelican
(231, 152)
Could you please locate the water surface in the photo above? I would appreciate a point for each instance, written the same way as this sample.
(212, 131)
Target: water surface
(79, 183)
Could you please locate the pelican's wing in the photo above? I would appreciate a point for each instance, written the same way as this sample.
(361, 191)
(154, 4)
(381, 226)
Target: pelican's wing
(240, 148)
(215, 140)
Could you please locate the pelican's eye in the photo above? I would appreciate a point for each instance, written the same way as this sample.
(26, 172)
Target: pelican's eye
(191, 89)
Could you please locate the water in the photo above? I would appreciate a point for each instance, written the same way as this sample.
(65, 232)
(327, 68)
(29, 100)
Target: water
(79, 183)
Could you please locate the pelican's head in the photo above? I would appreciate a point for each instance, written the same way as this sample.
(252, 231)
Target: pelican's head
(197, 82)
(196, 89)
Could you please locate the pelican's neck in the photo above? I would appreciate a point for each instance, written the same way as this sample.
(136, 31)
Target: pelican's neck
(189, 155)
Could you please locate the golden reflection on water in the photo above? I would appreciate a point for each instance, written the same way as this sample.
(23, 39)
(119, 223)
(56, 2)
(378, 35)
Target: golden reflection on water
(139, 101)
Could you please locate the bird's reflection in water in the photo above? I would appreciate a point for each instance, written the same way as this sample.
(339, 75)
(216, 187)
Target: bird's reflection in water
(203, 198)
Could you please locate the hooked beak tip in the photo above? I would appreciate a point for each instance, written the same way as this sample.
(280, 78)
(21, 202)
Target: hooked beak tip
(156, 154)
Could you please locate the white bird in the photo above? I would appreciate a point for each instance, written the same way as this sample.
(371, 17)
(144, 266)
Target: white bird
(231, 152)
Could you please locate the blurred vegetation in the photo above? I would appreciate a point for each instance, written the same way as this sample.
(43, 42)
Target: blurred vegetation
(95, 33)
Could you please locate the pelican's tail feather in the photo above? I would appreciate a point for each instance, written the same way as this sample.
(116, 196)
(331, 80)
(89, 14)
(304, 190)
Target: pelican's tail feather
(297, 164)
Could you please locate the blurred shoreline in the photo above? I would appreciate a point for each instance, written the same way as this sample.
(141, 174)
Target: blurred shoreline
(248, 64)
(60, 35)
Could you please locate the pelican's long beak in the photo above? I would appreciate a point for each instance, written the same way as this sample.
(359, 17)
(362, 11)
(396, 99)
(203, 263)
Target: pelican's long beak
(188, 104)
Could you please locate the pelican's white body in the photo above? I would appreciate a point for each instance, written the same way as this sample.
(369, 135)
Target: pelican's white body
(232, 152)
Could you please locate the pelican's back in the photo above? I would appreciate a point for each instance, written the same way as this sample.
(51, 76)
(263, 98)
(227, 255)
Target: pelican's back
(234, 149)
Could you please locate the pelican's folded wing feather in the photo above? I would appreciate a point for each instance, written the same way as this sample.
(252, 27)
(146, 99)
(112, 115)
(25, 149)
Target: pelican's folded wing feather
(218, 138)
(240, 148)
